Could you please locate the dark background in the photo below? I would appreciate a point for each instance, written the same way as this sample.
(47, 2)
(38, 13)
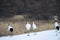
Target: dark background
(33, 8)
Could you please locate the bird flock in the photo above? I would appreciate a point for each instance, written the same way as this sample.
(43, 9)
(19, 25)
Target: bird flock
(28, 26)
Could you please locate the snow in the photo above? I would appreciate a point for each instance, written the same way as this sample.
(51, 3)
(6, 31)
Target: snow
(44, 35)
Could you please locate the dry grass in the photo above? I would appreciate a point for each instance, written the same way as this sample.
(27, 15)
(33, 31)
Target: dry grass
(19, 26)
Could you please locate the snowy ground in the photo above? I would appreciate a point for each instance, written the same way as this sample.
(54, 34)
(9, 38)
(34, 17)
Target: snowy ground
(44, 35)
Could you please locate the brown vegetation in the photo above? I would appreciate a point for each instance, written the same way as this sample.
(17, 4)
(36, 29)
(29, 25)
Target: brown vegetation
(18, 25)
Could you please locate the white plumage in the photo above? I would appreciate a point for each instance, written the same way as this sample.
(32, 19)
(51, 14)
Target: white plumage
(56, 24)
(34, 26)
(28, 26)
(10, 28)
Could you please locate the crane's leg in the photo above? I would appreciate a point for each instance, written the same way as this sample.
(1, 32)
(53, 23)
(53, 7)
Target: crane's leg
(28, 33)
(56, 32)
(59, 30)
(34, 32)
(11, 34)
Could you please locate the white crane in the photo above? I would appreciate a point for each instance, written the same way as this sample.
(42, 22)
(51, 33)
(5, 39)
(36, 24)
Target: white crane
(10, 28)
(28, 26)
(56, 25)
(34, 26)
